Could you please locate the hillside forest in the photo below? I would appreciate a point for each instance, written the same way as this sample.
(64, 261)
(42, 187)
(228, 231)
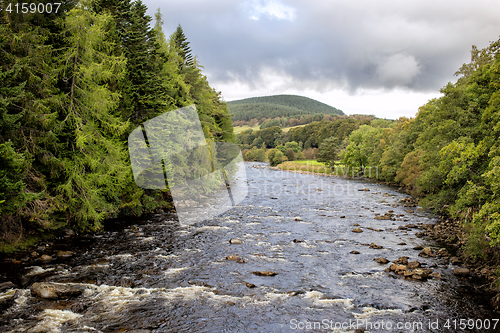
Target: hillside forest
(280, 110)
(74, 85)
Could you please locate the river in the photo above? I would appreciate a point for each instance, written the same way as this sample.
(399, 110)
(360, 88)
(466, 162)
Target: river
(156, 276)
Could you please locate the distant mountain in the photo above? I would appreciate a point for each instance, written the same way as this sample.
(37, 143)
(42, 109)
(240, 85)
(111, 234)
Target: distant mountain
(278, 106)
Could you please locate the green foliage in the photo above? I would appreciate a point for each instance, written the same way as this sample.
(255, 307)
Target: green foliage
(276, 157)
(328, 151)
(290, 155)
(13, 169)
(293, 145)
(73, 87)
(257, 155)
(363, 148)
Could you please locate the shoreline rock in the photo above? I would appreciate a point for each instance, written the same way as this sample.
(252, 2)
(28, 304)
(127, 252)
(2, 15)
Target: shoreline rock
(52, 290)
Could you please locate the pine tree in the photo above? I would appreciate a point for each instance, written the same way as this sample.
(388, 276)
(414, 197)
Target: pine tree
(183, 48)
(173, 82)
(95, 168)
(145, 92)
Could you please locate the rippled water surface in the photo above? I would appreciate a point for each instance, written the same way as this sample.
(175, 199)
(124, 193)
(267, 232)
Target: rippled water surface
(156, 276)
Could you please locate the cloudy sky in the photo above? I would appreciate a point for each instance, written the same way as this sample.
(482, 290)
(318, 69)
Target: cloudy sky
(380, 57)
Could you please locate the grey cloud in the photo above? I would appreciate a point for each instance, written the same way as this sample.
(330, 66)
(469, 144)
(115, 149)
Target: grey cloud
(415, 45)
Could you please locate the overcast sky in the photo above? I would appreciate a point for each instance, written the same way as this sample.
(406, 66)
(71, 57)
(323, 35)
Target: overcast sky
(380, 57)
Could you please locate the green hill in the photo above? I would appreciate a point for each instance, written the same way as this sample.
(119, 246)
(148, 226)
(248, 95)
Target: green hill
(278, 106)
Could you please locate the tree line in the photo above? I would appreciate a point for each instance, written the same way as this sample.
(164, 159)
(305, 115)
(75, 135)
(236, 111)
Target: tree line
(74, 85)
(299, 143)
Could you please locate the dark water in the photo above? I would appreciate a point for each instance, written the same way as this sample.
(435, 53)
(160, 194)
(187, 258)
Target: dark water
(157, 276)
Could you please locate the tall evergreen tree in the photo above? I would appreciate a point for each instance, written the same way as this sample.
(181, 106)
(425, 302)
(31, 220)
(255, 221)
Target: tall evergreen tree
(95, 168)
(183, 48)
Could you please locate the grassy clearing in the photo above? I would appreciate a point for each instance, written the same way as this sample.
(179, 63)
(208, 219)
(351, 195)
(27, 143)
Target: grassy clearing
(308, 162)
(286, 129)
(308, 166)
(239, 129)
(318, 167)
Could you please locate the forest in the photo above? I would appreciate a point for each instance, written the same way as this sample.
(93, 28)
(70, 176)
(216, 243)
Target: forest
(278, 106)
(74, 85)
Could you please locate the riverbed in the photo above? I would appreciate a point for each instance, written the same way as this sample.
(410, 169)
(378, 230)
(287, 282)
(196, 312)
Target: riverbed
(155, 275)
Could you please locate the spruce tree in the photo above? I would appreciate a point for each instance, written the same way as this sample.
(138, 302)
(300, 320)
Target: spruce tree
(183, 48)
(95, 169)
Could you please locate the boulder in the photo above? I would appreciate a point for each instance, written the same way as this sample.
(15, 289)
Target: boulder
(401, 268)
(413, 264)
(455, 260)
(46, 258)
(420, 274)
(6, 285)
(443, 252)
(461, 271)
(357, 230)
(64, 254)
(382, 217)
(265, 273)
(427, 252)
(381, 260)
(51, 290)
(401, 261)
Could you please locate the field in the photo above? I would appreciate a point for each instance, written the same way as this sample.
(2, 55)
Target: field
(307, 165)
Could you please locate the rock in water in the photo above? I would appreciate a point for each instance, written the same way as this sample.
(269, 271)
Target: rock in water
(461, 271)
(6, 285)
(235, 241)
(357, 230)
(381, 260)
(264, 273)
(51, 290)
(233, 257)
(413, 264)
(436, 275)
(45, 258)
(427, 252)
(455, 260)
(64, 254)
